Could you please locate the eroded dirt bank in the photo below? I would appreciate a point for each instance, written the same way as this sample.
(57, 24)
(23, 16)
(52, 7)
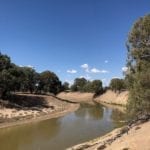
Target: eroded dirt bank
(108, 97)
(27, 108)
(111, 97)
(76, 96)
(133, 137)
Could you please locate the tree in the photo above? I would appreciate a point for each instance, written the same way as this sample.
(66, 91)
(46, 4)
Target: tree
(74, 88)
(49, 82)
(138, 63)
(96, 86)
(5, 76)
(5, 62)
(79, 84)
(28, 79)
(117, 84)
(65, 86)
(82, 85)
(14, 78)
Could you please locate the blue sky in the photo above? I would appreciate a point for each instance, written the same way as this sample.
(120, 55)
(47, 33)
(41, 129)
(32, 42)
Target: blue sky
(73, 38)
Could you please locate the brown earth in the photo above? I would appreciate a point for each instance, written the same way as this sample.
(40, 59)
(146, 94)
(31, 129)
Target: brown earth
(136, 137)
(76, 96)
(111, 97)
(108, 97)
(51, 108)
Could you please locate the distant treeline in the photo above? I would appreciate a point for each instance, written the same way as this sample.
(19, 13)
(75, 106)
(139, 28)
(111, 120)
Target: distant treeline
(14, 78)
(95, 86)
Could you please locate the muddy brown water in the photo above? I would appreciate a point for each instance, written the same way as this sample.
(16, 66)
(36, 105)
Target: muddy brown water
(88, 122)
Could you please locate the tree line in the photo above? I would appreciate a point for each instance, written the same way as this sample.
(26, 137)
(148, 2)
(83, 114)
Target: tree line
(96, 86)
(84, 85)
(15, 78)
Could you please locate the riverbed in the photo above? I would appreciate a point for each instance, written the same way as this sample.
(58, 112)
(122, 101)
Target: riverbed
(87, 123)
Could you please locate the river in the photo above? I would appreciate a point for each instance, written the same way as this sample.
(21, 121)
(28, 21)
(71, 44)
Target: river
(88, 122)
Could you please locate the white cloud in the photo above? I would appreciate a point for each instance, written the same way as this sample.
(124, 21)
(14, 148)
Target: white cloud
(94, 70)
(106, 61)
(20, 65)
(86, 77)
(29, 66)
(85, 67)
(124, 69)
(115, 77)
(72, 71)
(104, 71)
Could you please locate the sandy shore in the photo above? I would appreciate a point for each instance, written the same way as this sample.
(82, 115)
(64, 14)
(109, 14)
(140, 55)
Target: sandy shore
(55, 108)
(111, 97)
(108, 97)
(136, 137)
(76, 96)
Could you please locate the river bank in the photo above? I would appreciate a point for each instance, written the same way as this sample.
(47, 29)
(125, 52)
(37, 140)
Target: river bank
(124, 138)
(45, 107)
(132, 137)
(115, 98)
(76, 96)
(109, 97)
(51, 107)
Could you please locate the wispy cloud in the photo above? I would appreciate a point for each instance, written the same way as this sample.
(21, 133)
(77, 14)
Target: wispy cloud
(85, 67)
(72, 71)
(104, 71)
(115, 77)
(86, 77)
(29, 66)
(124, 69)
(95, 70)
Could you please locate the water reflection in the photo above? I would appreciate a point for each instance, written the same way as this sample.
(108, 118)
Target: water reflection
(93, 112)
(88, 122)
(118, 117)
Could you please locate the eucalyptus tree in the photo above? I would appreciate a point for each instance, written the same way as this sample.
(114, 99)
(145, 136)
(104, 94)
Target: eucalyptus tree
(138, 63)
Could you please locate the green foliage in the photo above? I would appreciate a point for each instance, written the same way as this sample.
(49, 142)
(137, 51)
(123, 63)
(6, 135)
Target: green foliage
(26, 79)
(138, 77)
(96, 86)
(73, 88)
(4, 62)
(82, 85)
(65, 86)
(49, 82)
(5, 76)
(117, 84)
